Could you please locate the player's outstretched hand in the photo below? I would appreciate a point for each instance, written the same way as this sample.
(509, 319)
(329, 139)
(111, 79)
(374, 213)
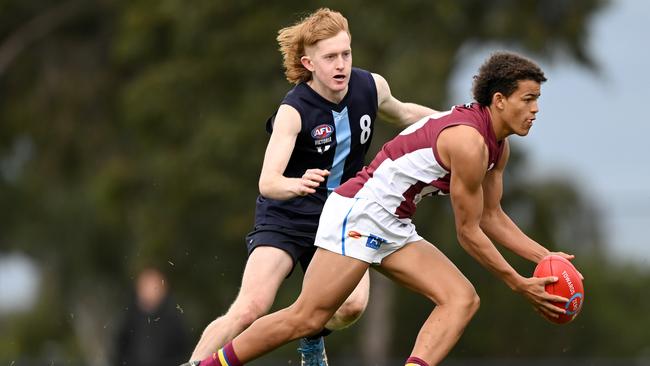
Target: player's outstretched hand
(535, 292)
(309, 181)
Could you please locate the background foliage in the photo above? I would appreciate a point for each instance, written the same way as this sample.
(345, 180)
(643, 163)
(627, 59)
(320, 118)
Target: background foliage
(131, 133)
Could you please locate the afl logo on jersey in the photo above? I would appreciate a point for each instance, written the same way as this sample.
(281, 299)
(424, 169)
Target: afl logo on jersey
(321, 132)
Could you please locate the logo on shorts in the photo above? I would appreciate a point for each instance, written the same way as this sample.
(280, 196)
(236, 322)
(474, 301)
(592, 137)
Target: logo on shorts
(354, 234)
(374, 242)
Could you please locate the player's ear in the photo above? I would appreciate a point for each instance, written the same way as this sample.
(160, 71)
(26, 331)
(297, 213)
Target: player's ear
(498, 99)
(306, 63)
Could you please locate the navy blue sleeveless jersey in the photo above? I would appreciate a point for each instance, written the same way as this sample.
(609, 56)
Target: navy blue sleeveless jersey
(333, 136)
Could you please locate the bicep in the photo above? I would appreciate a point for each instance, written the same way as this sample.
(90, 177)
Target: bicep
(492, 191)
(394, 111)
(493, 183)
(467, 161)
(283, 139)
(466, 199)
(389, 108)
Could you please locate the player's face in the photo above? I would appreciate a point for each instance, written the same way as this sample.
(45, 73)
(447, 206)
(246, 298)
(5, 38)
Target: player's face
(330, 61)
(520, 108)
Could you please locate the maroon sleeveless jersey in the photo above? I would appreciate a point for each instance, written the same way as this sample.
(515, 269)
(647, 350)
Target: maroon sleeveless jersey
(408, 167)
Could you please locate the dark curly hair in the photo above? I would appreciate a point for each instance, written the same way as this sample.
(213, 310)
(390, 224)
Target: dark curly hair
(500, 74)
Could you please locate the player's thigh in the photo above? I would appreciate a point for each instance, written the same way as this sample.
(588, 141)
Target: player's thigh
(329, 280)
(423, 268)
(265, 270)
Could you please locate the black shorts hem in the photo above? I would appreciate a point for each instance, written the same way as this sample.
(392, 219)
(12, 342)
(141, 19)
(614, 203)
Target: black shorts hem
(299, 245)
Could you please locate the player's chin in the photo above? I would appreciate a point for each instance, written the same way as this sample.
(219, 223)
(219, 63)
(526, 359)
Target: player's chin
(523, 131)
(339, 85)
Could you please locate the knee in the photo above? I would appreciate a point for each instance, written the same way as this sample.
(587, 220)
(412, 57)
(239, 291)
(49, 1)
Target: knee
(472, 303)
(312, 326)
(466, 301)
(307, 316)
(244, 313)
(306, 322)
(347, 314)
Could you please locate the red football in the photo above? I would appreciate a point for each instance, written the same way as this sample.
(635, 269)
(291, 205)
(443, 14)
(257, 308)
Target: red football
(568, 285)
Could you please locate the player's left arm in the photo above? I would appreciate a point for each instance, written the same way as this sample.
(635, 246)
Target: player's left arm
(467, 156)
(498, 226)
(395, 111)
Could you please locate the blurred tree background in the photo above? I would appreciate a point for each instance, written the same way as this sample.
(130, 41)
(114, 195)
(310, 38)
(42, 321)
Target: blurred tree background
(132, 134)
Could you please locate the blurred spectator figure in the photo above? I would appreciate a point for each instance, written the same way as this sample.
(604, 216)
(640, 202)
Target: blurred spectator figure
(153, 332)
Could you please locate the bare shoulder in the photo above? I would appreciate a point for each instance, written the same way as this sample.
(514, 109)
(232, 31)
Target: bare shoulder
(287, 120)
(287, 111)
(461, 144)
(461, 138)
(383, 90)
(379, 80)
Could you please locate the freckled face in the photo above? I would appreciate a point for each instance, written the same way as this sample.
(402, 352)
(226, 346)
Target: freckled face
(330, 61)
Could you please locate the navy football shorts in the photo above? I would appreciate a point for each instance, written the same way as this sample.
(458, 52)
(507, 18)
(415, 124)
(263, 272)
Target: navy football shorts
(298, 244)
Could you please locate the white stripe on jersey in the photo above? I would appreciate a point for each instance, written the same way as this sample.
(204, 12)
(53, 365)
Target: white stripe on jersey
(393, 178)
(421, 122)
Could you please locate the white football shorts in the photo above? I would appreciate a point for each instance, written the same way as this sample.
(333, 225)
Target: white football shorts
(362, 229)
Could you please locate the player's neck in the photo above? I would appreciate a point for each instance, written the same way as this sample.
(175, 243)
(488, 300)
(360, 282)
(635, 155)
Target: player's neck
(334, 96)
(498, 125)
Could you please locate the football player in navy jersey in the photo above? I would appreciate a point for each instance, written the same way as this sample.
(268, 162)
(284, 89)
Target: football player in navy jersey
(367, 221)
(319, 137)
